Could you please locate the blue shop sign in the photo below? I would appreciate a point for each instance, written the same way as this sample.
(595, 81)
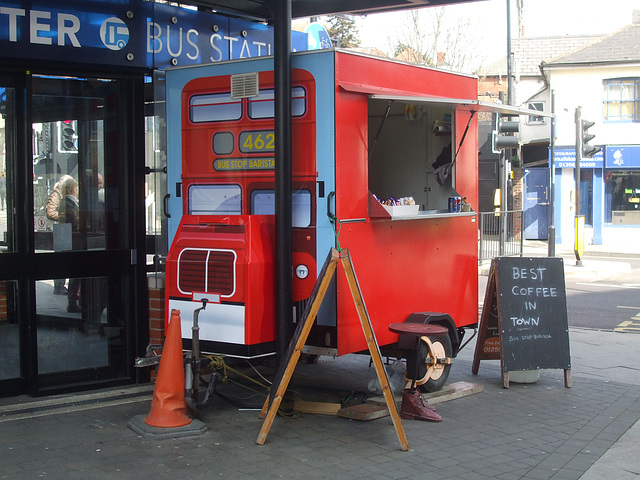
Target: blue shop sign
(622, 156)
(129, 34)
(566, 158)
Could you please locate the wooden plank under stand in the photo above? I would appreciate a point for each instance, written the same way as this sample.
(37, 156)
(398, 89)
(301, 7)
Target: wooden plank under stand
(283, 375)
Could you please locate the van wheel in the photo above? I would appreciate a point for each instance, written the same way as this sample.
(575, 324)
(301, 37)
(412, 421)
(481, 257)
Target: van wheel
(439, 347)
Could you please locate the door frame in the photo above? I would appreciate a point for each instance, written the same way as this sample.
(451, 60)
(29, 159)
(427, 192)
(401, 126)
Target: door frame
(12, 261)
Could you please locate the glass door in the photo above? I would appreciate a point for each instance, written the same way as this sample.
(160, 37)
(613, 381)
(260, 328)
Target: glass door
(81, 228)
(70, 284)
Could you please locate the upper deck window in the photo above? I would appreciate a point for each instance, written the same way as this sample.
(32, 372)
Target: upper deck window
(262, 106)
(214, 107)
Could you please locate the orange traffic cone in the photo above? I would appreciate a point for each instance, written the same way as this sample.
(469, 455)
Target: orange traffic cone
(168, 406)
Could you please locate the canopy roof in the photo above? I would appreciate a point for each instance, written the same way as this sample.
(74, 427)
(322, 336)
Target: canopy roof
(462, 103)
(259, 9)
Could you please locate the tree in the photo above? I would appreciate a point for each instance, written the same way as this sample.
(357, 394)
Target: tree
(343, 31)
(433, 38)
(520, 5)
(415, 44)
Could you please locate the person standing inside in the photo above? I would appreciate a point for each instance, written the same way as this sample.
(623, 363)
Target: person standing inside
(53, 211)
(3, 189)
(68, 212)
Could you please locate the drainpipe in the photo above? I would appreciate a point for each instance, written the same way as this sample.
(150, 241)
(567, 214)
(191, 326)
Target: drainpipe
(552, 165)
(552, 180)
(510, 91)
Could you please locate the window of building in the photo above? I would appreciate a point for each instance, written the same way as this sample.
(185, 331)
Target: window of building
(622, 197)
(536, 119)
(621, 100)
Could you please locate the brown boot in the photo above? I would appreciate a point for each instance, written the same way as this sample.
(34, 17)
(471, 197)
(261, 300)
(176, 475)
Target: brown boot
(414, 407)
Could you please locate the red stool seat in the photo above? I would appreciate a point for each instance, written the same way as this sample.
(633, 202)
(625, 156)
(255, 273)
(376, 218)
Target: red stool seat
(417, 331)
(421, 329)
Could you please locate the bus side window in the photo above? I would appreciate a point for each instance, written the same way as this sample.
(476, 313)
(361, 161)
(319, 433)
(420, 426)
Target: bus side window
(215, 200)
(263, 203)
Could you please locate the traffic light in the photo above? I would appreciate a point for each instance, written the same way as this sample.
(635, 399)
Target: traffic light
(588, 151)
(67, 137)
(504, 135)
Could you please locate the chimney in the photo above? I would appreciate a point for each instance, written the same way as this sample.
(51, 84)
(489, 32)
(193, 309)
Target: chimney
(441, 56)
(636, 17)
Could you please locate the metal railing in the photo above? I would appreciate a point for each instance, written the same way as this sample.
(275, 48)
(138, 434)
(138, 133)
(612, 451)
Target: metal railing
(501, 234)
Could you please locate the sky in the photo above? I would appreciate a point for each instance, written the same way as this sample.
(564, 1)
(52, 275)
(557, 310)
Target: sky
(488, 21)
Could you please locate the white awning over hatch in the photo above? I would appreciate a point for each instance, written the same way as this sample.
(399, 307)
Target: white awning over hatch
(461, 103)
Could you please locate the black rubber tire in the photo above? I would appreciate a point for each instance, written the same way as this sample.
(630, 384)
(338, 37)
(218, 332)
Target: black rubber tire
(431, 385)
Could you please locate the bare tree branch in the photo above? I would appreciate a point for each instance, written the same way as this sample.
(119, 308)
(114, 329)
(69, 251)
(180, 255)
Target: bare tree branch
(435, 38)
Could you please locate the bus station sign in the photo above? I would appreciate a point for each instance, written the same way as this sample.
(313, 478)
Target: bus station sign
(130, 34)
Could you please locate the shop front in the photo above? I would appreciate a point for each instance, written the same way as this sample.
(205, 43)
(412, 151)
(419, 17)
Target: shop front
(622, 185)
(72, 231)
(82, 178)
(609, 195)
(590, 192)
(622, 195)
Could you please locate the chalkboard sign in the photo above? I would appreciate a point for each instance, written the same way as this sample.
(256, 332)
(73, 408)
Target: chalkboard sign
(524, 318)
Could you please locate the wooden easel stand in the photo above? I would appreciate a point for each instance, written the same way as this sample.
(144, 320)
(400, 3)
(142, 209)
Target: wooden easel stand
(281, 382)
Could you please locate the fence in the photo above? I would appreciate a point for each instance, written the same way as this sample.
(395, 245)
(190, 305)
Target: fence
(501, 234)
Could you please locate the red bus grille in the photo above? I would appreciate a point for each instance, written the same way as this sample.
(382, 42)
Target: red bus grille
(221, 272)
(206, 271)
(191, 270)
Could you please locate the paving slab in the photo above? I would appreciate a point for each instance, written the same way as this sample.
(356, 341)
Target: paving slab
(529, 431)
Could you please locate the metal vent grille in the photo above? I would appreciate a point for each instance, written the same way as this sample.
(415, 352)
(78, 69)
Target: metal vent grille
(207, 271)
(244, 85)
(192, 266)
(220, 274)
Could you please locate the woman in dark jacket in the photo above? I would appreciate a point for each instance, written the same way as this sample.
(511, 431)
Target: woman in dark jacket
(69, 213)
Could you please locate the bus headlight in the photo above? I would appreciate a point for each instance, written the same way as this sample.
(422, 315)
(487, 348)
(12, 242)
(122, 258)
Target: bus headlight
(302, 272)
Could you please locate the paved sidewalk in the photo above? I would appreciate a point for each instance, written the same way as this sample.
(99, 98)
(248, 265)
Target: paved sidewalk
(617, 361)
(620, 250)
(597, 261)
(529, 431)
(620, 462)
